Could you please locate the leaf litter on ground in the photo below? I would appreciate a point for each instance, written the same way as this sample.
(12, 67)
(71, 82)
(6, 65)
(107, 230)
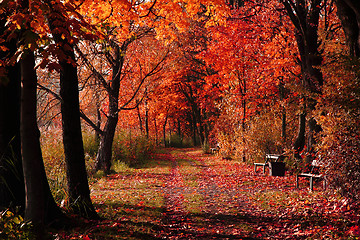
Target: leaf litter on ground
(186, 194)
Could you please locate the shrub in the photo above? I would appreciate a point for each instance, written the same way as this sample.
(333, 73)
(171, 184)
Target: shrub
(339, 116)
(53, 155)
(177, 141)
(13, 226)
(134, 150)
(90, 144)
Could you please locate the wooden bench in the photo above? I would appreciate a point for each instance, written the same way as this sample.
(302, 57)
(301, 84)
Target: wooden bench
(215, 149)
(315, 165)
(268, 158)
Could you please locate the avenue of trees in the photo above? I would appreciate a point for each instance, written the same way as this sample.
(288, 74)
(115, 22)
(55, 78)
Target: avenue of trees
(252, 76)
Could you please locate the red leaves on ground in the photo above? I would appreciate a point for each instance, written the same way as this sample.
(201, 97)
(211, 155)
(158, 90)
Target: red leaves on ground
(190, 195)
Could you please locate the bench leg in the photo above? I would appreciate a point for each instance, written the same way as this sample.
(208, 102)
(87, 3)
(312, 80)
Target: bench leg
(264, 169)
(297, 181)
(311, 183)
(255, 168)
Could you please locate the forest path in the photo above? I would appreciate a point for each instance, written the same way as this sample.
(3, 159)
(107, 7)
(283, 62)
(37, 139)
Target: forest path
(210, 198)
(186, 194)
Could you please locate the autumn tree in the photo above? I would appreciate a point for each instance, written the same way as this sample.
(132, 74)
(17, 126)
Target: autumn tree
(124, 67)
(78, 187)
(136, 20)
(246, 56)
(304, 15)
(40, 207)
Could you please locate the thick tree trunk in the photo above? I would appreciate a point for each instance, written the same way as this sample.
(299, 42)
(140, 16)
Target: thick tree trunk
(78, 187)
(31, 151)
(40, 205)
(306, 21)
(12, 189)
(349, 14)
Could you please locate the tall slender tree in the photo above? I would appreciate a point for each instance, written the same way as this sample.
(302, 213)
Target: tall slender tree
(78, 187)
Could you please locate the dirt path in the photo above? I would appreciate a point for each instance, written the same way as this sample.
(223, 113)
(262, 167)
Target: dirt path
(224, 210)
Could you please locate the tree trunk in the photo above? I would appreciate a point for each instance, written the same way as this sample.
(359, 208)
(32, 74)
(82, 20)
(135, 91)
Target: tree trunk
(156, 131)
(78, 186)
(12, 188)
(283, 110)
(140, 119)
(146, 118)
(40, 204)
(349, 14)
(164, 130)
(103, 158)
(194, 128)
(283, 127)
(31, 151)
(306, 22)
(300, 139)
(98, 120)
(179, 132)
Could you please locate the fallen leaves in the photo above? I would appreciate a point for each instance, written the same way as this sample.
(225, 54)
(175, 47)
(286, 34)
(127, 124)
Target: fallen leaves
(190, 195)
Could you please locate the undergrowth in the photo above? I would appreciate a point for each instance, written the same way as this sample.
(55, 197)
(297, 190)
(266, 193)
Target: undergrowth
(13, 226)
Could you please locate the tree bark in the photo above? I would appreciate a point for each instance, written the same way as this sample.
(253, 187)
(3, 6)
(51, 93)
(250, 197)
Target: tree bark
(104, 156)
(40, 205)
(78, 186)
(348, 12)
(305, 18)
(194, 128)
(282, 95)
(146, 118)
(300, 139)
(98, 120)
(31, 151)
(164, 130)
(156, 131)
(77, 182)
(140, 119)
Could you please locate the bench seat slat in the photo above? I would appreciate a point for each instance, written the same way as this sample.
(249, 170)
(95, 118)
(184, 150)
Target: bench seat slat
(309, 175)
